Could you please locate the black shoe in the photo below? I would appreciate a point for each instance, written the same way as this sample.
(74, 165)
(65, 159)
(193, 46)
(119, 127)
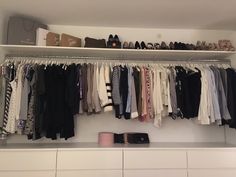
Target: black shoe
(137, 46)
(116, 42)
(143, 45)
(110, 41)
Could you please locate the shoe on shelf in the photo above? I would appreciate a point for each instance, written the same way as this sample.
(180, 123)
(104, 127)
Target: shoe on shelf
(193, 47)
(182, 46)
(116, 42)
(137, 45)
(216, 47)
(229, 46)
(211, 47)
(204, 45)
(125, 45)
(131, 45)
(188, 46)
(164, 46)
(143, 45)
(222, 45)
(157, 46)
(150, 46)
(110, 41)
(199, 45)
(176, 46)
(171, 46)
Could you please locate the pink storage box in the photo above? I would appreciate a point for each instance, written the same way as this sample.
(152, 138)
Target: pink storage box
(105, 138)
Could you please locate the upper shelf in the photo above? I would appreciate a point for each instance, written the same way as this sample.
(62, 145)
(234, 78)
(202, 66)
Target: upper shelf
(118, 54)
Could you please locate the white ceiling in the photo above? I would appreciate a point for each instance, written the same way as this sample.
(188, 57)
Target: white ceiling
(190, 14)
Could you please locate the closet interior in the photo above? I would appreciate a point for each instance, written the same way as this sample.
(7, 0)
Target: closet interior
(86, 126)
(149, 81)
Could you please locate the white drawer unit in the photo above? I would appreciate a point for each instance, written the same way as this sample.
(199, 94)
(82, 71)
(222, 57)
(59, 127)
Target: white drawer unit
(212, 173)
(154, 159)
(89, 159)
(155, 173)
(90, 173)
(28, 174)
(27, 160)
(209, 158)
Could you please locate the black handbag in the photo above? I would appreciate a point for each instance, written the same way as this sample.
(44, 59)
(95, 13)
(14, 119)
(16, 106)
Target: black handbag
(95, 43)
(138, 138)
(22, 31)
(131, 138)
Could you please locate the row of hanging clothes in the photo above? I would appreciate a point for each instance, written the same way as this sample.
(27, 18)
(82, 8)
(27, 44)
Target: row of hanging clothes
(42, 98)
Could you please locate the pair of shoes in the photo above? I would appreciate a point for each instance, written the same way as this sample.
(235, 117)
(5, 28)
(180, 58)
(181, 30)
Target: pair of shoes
(150, 46)
(181, 46)
(142, 45)
(164, 46)
(127, 45)
(157, 46)
(171, 46)
(212, 46)
(226, 45)
(199, 45)
(202, 45)
(113, 42)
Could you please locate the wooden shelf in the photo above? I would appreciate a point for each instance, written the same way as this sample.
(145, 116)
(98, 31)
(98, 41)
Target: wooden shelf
(106, 53)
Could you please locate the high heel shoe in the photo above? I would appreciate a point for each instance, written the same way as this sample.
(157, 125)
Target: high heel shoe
(131, 45)
(171, 46)
(137, 45)
(143, 45)
(164, 46)
(150, 46)
(199, 45)
(157, 46)
(110, 41)
(116, 42)
(229, 46)
(125, 45)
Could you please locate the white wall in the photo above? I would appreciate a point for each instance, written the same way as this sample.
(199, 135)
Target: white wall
(87, 127)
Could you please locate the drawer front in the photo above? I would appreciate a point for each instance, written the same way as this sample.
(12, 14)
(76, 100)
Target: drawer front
(212, 159)
(154, 159)
(77, 160)
(90, 173)
(28, 174)
(27, 160)
(212, 173)
(155, 173)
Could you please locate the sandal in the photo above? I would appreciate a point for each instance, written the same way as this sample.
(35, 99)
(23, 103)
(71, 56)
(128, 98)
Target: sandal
(150, 46)
(157, 46)
(143, 45)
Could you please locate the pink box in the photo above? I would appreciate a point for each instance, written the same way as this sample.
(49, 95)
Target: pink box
(105, 138)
